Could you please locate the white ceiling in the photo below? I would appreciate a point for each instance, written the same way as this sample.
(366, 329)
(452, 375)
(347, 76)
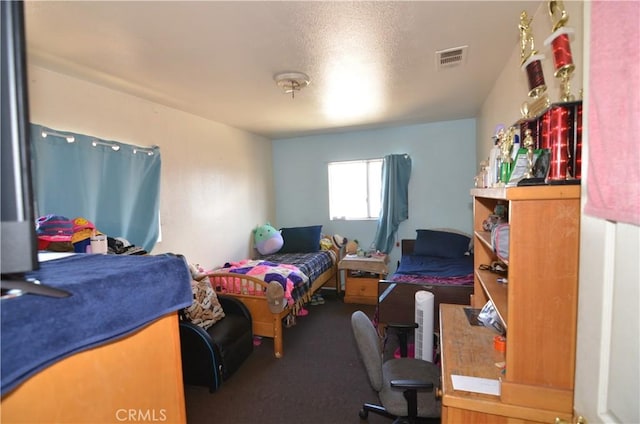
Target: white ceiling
(371, 64)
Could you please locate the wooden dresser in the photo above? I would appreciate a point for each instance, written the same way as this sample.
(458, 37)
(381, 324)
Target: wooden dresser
(134, 379)
(108, 353)
(538, 307)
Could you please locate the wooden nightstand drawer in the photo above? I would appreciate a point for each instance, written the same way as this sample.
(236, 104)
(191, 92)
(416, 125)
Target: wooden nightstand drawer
(362, 287)
(361, 290)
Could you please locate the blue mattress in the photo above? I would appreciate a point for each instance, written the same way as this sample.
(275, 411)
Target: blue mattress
(112, 296)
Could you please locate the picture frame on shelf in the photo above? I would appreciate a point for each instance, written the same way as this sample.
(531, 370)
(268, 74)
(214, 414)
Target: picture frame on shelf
(521, 166)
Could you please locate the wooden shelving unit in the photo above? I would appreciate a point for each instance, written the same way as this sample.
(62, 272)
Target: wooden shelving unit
(538, 307)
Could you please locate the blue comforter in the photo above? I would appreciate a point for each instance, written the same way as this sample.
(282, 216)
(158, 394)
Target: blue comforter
(452, 270)
(112, 296)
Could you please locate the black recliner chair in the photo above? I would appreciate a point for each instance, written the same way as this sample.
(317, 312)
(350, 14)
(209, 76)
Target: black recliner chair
(211, 356)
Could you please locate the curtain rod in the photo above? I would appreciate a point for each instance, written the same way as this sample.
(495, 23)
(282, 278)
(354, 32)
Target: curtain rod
(96, 142)
(406, 155)
(69, 138)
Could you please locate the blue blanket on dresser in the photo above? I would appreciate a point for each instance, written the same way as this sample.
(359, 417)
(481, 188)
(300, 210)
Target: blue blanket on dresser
(112, 296)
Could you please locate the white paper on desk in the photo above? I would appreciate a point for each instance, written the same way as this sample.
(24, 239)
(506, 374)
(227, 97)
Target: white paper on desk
(487, 386)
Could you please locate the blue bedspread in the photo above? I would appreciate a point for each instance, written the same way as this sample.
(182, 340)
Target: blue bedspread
(112, 296)
(434, 270)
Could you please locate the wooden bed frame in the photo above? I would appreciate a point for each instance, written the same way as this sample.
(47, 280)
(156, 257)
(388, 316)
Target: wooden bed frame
(265, 322)
(398, 305)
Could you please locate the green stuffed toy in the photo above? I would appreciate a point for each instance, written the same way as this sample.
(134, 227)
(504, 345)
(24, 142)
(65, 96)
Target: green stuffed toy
(267, 239)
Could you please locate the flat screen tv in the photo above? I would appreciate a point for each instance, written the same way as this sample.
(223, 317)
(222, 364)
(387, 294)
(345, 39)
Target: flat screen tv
(19, 244)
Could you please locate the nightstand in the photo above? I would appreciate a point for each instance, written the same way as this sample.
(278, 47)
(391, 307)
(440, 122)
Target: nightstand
(361, 276)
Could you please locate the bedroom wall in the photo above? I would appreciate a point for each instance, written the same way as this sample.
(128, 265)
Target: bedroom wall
(443, 158)
(205, 189)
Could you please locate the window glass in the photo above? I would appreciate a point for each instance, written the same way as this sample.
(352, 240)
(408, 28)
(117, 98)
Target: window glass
(354, 189)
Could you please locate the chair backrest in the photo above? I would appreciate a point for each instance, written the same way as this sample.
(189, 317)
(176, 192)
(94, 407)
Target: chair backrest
(369, 346)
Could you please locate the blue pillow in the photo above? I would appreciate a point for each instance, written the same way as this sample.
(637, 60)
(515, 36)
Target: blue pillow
(301, 239)
(441, 244)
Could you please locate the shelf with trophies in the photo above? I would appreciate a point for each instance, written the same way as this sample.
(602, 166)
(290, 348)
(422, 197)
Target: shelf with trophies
(551, 149)
(510, 355)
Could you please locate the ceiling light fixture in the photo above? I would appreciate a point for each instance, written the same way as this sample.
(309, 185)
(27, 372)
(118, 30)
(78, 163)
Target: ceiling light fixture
(290, 82)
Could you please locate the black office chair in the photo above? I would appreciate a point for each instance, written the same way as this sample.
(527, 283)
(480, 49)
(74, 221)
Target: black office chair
(404, 385)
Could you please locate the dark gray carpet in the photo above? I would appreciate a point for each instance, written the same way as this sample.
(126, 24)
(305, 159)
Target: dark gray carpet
(319, 379)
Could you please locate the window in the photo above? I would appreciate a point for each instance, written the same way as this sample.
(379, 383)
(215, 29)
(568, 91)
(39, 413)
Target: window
(354, 189)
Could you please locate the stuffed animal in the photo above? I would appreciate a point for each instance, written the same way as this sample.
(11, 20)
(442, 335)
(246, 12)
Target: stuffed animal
(267, 239)
(352, 247)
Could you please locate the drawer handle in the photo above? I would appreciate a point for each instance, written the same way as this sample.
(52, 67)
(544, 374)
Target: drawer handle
(438, 393)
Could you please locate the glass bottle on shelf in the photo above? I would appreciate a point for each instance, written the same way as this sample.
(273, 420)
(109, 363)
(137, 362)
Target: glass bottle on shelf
(482, 179)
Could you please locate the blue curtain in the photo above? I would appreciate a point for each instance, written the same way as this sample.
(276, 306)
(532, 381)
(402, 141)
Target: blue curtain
(114, 185)
(396, 171)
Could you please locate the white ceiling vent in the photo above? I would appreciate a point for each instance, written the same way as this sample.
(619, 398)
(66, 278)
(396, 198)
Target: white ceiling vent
(451, 57)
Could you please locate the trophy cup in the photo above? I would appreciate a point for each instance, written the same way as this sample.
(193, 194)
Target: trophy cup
(529, 144)
(561, 48)
(506, 143)
(537, 165)
(531, 63)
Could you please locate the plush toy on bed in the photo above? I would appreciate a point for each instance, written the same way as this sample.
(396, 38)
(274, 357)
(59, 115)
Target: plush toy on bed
(267, 239)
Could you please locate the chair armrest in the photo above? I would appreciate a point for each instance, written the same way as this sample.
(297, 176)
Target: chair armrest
(231, 305)
(193, 331)
(412, 385)
(403, 330)
(402, 326)
(201, 363)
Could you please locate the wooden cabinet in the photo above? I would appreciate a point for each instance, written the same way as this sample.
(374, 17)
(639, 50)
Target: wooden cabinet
(137, 378)
(538, 307)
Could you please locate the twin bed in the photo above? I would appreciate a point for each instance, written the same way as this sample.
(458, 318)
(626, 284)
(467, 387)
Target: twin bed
(248, 281)
(437, 261)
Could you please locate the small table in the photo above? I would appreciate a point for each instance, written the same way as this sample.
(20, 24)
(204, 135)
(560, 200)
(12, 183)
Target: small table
(361, 276)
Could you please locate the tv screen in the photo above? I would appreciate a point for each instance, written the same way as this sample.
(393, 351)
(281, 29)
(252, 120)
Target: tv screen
(19, 243)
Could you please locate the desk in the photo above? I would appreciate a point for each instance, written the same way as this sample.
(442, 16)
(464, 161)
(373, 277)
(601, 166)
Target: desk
(361, 276)
(468, 350)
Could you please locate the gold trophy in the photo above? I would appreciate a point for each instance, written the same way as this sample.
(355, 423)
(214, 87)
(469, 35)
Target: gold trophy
(527, 47)
(506, 143)
(529, 144)
(531, 63)
(561, 47)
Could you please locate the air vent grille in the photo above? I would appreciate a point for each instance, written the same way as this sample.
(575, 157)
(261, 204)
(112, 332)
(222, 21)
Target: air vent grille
(451, 57)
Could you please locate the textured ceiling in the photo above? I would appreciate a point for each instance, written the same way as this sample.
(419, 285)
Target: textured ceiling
(371, 64)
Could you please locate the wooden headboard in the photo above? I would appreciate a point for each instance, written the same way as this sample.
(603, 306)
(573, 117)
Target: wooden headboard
(406, 246)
